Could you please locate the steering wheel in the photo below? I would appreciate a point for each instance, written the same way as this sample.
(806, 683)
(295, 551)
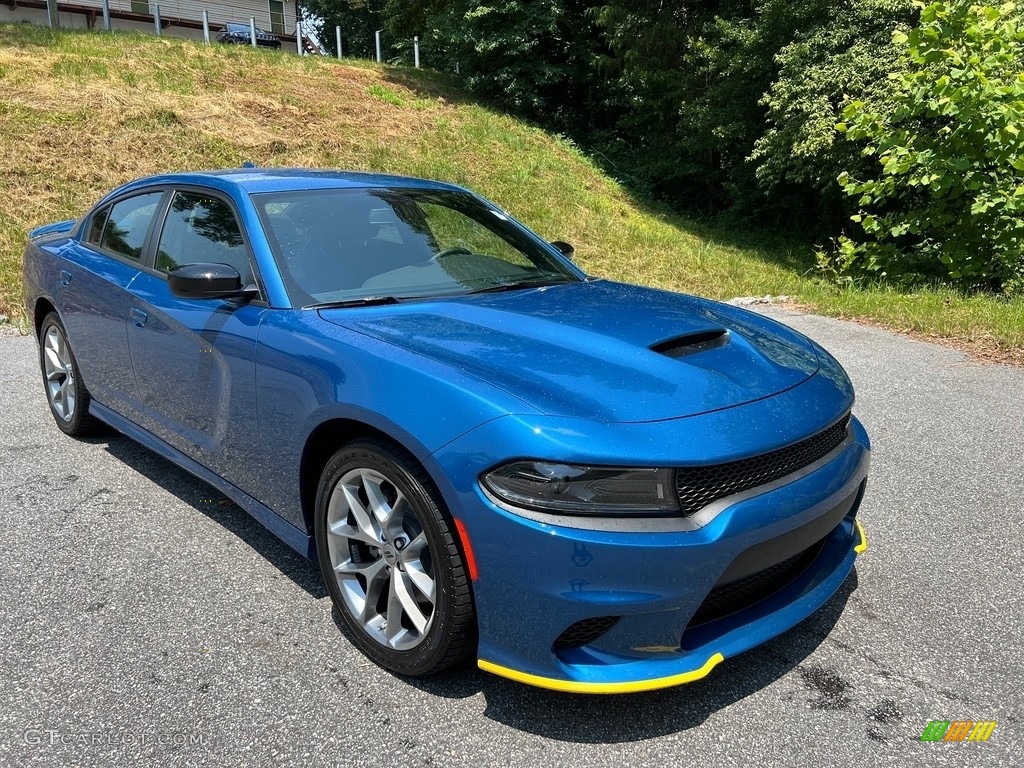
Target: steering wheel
(455, 250)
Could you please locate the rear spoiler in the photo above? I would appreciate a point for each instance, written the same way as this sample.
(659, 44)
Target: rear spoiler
(57, 228)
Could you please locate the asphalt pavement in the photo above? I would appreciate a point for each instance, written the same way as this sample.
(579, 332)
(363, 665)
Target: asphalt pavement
(146, 620)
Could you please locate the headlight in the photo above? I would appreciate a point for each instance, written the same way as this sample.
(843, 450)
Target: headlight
(580, 490)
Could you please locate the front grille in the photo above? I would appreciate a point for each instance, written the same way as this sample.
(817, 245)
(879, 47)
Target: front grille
(699, 486)
(729, 598)
(584, 632)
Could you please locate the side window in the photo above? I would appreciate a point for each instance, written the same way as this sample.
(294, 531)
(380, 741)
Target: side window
(125, 229)
(201, 229)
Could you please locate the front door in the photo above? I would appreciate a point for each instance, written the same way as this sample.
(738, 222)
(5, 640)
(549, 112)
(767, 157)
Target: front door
(194, 359)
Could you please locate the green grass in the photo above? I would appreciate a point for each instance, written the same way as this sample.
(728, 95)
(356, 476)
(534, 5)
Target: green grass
(81, 112)
(990, 326)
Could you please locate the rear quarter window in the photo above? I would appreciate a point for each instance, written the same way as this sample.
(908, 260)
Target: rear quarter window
(99, 218)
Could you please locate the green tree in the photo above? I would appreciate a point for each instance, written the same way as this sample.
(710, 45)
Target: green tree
(642, 80)
(840, 51)
(532, 55)
(947, 195)
(358, 19)
(732, 104)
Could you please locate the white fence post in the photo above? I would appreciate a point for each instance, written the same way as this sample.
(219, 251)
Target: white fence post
(252, 30)
(106, 15)
(377, 36)
(416, 50)
(156, 19)
(206, 26)
(300, 49)
(337, 38)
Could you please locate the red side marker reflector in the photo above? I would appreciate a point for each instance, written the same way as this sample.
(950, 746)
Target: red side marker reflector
(468, 549)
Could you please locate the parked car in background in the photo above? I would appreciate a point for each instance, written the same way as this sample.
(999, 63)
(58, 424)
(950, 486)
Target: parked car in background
(587, 485)
(240, 34)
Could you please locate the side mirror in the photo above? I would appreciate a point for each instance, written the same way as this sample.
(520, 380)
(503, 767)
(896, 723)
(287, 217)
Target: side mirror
(205, 281)
(563, 248)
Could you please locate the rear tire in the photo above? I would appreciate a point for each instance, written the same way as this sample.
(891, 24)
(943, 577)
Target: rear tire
(389, 557)
(65, 391)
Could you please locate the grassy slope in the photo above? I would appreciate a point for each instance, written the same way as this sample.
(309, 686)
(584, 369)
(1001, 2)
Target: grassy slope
(82, 112)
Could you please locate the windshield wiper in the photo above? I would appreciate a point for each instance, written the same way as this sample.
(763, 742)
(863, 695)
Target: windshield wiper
(363, 301)
(512, 285)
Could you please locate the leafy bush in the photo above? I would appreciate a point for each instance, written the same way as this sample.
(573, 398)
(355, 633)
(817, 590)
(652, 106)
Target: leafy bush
(841, 49)
(948, 198)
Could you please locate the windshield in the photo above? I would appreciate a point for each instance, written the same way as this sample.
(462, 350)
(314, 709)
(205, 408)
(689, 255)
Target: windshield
(350, 245)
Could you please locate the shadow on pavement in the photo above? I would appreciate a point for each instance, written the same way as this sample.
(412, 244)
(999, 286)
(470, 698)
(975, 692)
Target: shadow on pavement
(212, 503)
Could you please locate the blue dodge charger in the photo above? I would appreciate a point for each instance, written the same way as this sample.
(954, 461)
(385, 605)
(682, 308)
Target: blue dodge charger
(588, 486)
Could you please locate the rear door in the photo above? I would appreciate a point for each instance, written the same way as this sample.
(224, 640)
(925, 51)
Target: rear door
(93, 296)
(194, 359)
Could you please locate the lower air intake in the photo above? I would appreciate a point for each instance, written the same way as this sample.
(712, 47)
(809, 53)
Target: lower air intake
(737, 595)
(584, 632)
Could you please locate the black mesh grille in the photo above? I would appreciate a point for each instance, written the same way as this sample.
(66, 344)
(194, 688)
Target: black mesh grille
(729, 598)
(699, 486)
(584, 632)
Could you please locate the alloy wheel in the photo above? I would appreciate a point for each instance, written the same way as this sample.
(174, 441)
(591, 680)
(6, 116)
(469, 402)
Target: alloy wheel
(59, 371)
(381, 559)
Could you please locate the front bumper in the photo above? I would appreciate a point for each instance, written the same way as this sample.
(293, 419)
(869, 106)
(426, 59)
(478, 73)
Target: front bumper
(774, 615)
(537, 580)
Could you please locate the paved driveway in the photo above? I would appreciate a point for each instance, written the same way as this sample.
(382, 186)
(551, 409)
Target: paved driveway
(147, 620)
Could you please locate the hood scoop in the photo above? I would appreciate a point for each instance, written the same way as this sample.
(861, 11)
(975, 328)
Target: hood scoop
(681, 346)
(566, 352)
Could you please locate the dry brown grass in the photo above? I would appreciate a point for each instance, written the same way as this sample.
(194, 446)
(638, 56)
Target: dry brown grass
(81, 114)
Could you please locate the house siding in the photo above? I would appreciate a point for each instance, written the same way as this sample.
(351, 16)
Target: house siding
(180, 18)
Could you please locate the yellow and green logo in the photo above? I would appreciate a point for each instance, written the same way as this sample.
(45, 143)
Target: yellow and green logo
(958, 730)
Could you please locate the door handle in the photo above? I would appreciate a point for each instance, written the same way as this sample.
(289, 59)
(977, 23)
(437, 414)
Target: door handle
(138, 317)
(65, 277)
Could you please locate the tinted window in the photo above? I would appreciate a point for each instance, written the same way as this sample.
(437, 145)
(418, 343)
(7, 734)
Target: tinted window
(201, 229)
(96, 227)
(126, 227)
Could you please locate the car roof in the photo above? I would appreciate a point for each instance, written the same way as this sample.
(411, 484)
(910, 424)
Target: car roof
(257, 180)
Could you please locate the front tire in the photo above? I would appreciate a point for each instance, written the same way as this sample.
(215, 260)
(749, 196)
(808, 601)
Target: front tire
(65, 391)
(389, 558)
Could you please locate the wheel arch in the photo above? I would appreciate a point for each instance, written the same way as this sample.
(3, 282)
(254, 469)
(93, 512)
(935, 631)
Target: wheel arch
(42, 308)
(330, 435)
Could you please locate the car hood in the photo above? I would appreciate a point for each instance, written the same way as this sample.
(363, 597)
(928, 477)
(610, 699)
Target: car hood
(599, 350)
